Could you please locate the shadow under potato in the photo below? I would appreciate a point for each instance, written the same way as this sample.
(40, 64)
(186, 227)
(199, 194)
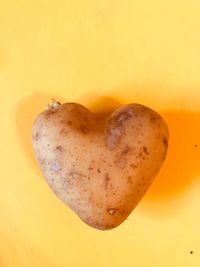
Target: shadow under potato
(182, 164)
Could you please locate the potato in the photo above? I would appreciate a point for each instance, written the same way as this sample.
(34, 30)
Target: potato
(100, 168)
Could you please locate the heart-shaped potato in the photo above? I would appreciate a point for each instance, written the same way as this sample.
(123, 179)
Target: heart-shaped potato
(100, 168)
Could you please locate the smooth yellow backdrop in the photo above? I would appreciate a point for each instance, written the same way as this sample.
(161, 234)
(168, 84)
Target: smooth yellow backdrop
(100, 53)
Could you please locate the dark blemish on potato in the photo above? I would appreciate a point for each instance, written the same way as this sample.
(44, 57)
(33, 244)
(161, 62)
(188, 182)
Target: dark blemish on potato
(122, 160)
(48, 144)
(133, 166)
(154, 118)
(70, 122)
(165, 142)
(36, 137)
(92, 165)
(145, 150)
(98, 171)
(48, 113)
(41, 161)
(106, 180)
(111, 211)
(83, 129)
(122, 117)
(125, 150)
(129, 178)
(115, 129)
(55, 166)
(195, 145)
(114, 193)
(140, 155)
(59, 148)
(63, 131)
(191, 252)
(62, 121)
(52, 179)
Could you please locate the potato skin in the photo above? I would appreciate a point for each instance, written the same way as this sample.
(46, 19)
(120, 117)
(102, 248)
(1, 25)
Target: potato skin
(100, 168)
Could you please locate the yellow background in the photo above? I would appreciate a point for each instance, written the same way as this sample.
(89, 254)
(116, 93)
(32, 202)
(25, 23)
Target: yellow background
(100, 53)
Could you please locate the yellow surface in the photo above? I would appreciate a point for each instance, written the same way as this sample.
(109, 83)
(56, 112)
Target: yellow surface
(100, 53)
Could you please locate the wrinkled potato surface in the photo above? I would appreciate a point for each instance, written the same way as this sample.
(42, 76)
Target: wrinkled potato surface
(100, 168)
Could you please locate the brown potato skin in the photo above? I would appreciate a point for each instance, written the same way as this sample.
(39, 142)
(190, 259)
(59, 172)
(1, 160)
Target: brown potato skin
(100, 168)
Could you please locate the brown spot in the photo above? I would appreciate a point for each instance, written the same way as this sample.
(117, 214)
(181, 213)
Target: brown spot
(115, 129)
(195, 145)
(48, 144)
(70, 122)
(145, 150)
(111, 211)
(36, 137)
(113, 136)
(191, 252)
(165, 142)
(84, 129)
(106, 180)
(41, 161)
(133, 166)
(140, 155)
(102, 159)
(122, 117)
(129, 179)
(59, 148)
(49, 112)
(55, 166)
(122, 160)
(154, 118)
(125, 150)
(92, 165)
(98, 171)
(63, 131)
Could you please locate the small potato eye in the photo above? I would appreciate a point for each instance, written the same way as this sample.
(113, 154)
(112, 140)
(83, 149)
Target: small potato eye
(112, 211)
